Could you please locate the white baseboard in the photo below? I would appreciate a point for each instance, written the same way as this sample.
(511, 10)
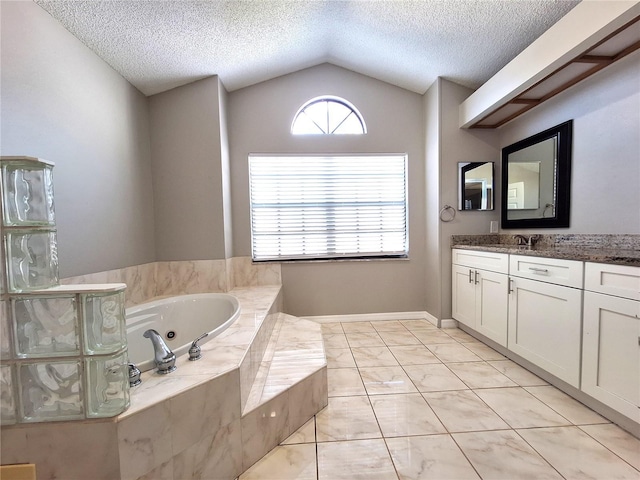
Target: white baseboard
(372, 317)
(431, 319)
(379, 317)
(448, 323)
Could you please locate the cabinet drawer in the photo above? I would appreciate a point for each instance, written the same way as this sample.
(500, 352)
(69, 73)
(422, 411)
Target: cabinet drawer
(494, 262)
(550, 270)
(619, 280)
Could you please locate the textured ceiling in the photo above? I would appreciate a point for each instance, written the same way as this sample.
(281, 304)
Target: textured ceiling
(158, 45)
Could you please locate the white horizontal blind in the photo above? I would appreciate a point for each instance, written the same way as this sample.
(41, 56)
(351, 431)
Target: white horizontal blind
(319, 207)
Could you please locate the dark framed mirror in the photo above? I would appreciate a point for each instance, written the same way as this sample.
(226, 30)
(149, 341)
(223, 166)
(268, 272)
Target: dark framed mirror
(536, 180)
(475, 186)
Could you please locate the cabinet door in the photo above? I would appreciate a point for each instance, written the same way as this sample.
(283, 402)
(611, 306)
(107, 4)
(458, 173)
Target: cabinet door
(492, 306)
(463, 295)
(611, 353)
(545, 326)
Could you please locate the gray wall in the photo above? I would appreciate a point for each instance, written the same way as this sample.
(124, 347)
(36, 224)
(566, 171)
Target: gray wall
(605, 197)
(259, 122)
(223, 104)
(188, 173)
(446, 146)
(62, 103)
(433, 290)
(460, 146)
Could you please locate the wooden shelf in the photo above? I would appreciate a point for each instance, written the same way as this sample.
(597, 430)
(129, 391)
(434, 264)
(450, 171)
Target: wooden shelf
(587, 40)
(565, 77)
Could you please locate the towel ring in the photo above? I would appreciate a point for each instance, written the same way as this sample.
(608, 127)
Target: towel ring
(447, 213)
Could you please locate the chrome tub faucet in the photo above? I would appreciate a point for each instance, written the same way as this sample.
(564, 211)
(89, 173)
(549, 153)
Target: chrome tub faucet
(165, 359)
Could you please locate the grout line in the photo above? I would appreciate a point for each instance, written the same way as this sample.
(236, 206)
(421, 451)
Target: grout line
(473, 390)
(540, 454)
(374, 412)
(594, 438)
(465, 455)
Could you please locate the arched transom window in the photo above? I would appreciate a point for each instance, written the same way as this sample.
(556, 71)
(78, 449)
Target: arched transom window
(328, 115)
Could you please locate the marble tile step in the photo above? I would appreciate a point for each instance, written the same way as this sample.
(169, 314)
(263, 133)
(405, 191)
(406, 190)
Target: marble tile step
(295, 352)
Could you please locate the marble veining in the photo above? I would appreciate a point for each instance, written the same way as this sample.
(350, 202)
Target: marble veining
(385, 380)
(566, 406)
(464, 411)
(433, 377)
(354, 460)
(503, 454)
(294, 352)
(347, 418)
(617, 440)
(433, 456)
(305, 434)
(453, 430)
(405, 415)
(339, 358)
(345, 382)
(373, 357)
(300, 461)
(564, 447)
(148, 281)
(480, 375)
(520, 409)
(189, 424)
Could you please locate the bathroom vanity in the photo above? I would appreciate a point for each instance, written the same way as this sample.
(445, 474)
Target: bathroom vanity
(569, 313)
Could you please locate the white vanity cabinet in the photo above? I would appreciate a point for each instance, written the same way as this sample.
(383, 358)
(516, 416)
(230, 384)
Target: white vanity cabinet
(479, 292)
(545, 314)
(611, 337)
(578, 321)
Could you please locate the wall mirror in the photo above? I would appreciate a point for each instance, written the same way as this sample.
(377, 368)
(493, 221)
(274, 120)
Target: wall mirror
(536, 177)
(475, 186)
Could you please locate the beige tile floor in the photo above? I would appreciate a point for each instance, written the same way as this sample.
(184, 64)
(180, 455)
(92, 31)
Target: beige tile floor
(409, 401)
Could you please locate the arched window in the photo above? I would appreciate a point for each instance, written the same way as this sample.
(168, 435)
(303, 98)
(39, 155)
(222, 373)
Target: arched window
(328, 115)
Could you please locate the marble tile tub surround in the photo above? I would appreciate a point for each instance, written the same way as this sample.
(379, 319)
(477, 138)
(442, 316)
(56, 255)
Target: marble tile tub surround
(295, 352)
(479, 416)
(158, 279)
(181, 425)
(600, 248)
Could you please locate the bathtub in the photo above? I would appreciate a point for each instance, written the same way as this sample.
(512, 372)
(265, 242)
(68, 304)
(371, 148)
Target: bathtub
(179, 320)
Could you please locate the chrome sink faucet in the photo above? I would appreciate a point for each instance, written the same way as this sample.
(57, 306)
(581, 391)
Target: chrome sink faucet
(523, 241)
(165, 359)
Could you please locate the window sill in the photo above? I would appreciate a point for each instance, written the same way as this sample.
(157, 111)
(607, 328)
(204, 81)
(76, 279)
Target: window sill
(335, 260)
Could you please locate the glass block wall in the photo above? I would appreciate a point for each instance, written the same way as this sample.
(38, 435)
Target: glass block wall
(63, 349)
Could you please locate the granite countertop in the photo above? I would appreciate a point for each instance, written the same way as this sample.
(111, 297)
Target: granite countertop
(612, 256)
(610, 249)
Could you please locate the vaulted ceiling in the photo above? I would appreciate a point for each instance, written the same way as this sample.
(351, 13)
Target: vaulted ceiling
(162, 44)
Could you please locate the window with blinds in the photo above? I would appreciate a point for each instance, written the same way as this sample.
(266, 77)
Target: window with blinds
(328, 206)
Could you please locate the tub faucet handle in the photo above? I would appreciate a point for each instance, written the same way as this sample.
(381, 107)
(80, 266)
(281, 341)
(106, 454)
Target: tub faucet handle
(134, 375)
(195, 352)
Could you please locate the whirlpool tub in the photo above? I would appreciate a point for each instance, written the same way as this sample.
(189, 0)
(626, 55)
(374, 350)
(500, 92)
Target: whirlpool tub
(179, 320)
